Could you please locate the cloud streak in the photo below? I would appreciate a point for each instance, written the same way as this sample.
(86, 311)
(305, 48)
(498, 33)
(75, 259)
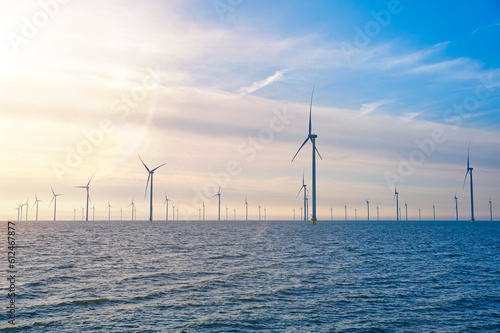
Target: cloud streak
(264, 83)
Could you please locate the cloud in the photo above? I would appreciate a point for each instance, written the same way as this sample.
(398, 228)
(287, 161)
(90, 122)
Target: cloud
(371, 107)
(263, 83)
(486, 27)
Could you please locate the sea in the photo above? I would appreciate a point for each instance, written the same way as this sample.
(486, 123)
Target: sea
(252, 276)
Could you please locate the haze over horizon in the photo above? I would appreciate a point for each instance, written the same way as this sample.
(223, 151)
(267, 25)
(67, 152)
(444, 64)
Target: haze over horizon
(220, 90)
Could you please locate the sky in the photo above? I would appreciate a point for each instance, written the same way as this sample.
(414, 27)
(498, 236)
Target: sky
(220, 92)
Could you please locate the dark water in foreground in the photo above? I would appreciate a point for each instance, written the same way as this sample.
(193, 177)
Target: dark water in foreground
(255, 276)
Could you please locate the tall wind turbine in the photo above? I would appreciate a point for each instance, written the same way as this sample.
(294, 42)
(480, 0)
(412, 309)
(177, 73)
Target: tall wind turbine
(36, 203)
(74, 214)
(218, 195)
(456, 207)
(434, 210)
(377, 214)
(109, 211)
(345, 209)
(406, 208)
(203, 210)
(312, 137)
(419, 214)
(165, 203)
(491, 211)
(259, 211)
(54, 198)
(27, 206)
(368, 207)
(396, 197)
(469, 171)
(88, 197)
(304, 187)
(150, 175)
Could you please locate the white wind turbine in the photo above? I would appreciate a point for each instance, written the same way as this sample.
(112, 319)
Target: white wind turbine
(491, 211)
(312, 137)
(246, 209)
(54, 198)
(469, 171)
(133, 207)
(165, 203)
(93, 212)
(368, 208)
(396, 197)
(150, 175)
(304, 187)
(456, 207)
(36, 203)
(109, 211)
(218, 195)
(88, 196)
(434, 210)
(27, 206)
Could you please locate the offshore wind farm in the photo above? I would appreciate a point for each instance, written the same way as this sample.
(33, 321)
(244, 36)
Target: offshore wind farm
(389, 110)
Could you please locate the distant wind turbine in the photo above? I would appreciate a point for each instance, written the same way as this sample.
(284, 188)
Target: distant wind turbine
(368, 208)
(312, 137)
(121, 214)
(331, 213)
(294, 214)
(88, 196)
(434, 210)
(491, 211)
(345, 208)
(469, 171)
(355, 214)
(36, 203)
(218, 195)
(235, 214)
(396, 197)
(74, 214)
(304, 187)
(301, 213)
(27, 206)
(54, 198)
(406, 209)
(83, 211)
(419, 215)
(150, 175)
(203, 210)
(226, 213)
(133, 207)
(246, 209)
(165, 203)
(93, 212)
(377, 214)
(265, 216)
(173, 213)
(109, 211)
(259, 211)
(456, 207)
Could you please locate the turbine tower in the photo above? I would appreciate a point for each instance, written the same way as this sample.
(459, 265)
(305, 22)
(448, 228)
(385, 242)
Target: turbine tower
(150, 175)
(93, 212)
(54, 198)
(312, 137)
(368, 207)
(304, 187)
(345, 208)
(469, 171)
(203, 210)
(419, 215)
(259, 211)
(456, 207)
(396, 197)
(36, 203)
(218, 195)
(434, 210)
(406, 209)
(27, 206)
(377, 214)
(88, 197)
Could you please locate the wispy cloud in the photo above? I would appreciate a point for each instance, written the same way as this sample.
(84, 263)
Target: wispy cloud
(263, 83)
(486, 27)
(371, 107)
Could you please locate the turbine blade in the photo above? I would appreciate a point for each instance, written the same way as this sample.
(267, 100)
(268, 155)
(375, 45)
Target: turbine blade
(300, 148)
(310, 112)
(90, 179)
(147, 184)
(52, 190)
(144, 163)
(463, 187)
(158, 167)
(318, 152)
(299, 191)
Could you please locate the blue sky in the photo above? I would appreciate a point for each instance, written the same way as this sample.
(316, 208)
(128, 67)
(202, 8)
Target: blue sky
(218, 82)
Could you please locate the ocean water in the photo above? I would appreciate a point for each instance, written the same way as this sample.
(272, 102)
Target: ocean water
(251, 276)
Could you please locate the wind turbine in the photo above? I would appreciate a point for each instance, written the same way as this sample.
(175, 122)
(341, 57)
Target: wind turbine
(312, 137)
(419, 214)
(88, 196)
(226, 213)
(301, 212)
(109, 211)
(83, 210)
(150, 175)
(294, 214)
(345, 208)
(218, 195)
(331, 213)
(434, 210)
(165, 203)
(54, 198)
(469, 171)
(36, 203)
(304, 187)
(259, 211)
(406, 209)
(203, 210)
(456, 207)
(246, 209)
(173, 213)
(265, 216)
(133, 206)
(27, 206)
(121, 214)
(396, 197)
(19, 209)
(377, 214)
(368, 207)
(93, 212)
(74, 214)
(355, 214)
(491, 212)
